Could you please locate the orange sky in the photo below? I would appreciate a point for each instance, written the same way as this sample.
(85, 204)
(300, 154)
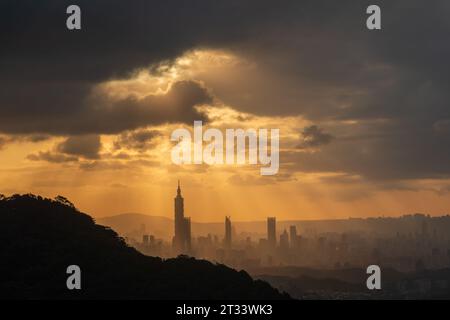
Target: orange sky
(138, 176)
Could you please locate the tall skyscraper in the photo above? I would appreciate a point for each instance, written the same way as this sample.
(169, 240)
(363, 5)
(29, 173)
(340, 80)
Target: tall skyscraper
(227, 240)
(293, 235)
(182, 237)
(271, 232)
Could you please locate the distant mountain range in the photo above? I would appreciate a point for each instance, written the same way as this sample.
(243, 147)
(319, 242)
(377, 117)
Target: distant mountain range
(40, 238)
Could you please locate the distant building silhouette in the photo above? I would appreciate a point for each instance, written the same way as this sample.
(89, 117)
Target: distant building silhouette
(182, 237)
(284, 241)
(293, 235)
(145, 239)
(271, 232)
(227, 240)
(187, 234)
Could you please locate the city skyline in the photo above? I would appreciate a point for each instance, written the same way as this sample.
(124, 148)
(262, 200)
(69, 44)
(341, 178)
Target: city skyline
(410, 243)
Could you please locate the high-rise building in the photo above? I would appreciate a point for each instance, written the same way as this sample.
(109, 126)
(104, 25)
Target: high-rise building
(271, 232)
(293, 235)
(187, 234)
(227, 240)
(182, 237)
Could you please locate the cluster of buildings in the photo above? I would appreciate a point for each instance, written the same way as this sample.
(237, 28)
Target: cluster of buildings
(401, 249)
(182, 239)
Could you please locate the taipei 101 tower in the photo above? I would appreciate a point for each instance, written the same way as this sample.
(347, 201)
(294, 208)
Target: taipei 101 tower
(182, 238)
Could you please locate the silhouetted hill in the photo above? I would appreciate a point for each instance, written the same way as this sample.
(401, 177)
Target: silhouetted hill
(40, 238)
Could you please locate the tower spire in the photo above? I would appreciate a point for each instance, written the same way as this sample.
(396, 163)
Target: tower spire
(179, 189)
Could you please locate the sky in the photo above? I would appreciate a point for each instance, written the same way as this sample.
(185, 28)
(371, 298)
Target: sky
(364, 116)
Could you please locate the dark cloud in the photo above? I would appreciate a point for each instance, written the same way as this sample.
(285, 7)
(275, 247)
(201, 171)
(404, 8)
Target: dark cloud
(52, 157)
(117, 36)
(398, 154)
(97, 114)
(118, 156)
(34, 138)
(322, 48)
(3, 142)
(72, 149)
(314, 58)
(144, 163)
(48, 72)
(140, 140)
(329, 66)
(87, 146)
(313, 137)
